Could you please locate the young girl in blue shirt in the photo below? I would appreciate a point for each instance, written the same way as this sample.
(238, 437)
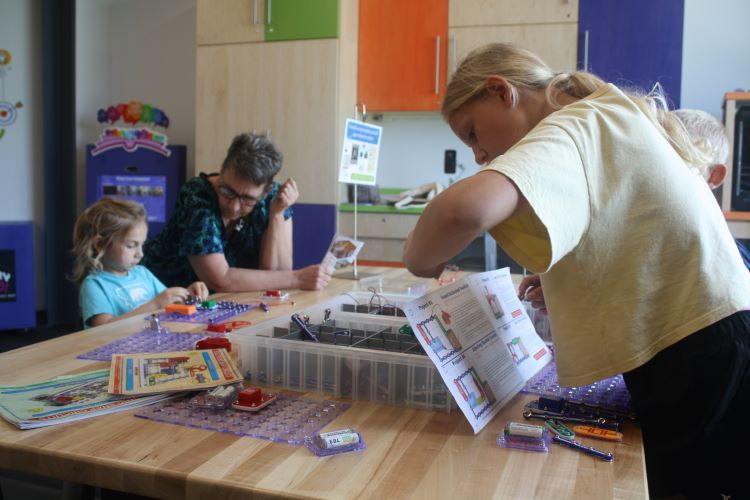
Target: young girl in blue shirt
(108, 245)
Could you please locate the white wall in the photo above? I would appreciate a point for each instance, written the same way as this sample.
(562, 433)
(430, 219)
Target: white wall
(715, 52)
(413, 147)
(135, 50)
(21, 154)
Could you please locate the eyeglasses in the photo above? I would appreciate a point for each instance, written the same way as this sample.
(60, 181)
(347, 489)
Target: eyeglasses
(245, 199)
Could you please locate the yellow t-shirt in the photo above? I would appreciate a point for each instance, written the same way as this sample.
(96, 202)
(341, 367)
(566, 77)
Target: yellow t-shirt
(634, 250)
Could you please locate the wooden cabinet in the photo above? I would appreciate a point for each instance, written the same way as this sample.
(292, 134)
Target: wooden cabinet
(407, 50)
(402, 47)
(242, 21)
(301, 19)
(246, 87)
(230, 21)
(494, 12)
(299, 91)
(635, 43)
(548, 28)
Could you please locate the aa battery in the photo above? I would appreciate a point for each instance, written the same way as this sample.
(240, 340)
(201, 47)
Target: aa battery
(337, 439)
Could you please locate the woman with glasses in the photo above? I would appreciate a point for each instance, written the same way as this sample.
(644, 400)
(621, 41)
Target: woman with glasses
(233, 229)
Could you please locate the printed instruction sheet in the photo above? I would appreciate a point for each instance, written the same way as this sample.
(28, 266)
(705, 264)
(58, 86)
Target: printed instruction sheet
(480, 338)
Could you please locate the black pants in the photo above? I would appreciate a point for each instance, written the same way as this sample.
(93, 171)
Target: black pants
(693, 402)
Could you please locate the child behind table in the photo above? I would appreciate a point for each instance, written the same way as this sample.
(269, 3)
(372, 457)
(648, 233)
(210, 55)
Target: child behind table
(107, 246)
(707, 133)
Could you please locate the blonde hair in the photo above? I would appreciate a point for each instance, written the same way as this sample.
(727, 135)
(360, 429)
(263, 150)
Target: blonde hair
(707, 134)
(525, 70)
(97, 228)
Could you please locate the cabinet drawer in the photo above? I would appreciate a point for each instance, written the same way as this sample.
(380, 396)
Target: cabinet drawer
(230, 21)
(554, 43)
(494, 12)
(388, 226)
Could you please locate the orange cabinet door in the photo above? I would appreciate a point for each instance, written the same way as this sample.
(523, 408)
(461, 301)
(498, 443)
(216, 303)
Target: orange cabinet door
(402, 54)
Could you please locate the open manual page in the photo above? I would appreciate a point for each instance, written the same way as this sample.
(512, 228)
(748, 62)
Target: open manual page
(65, 399)
(478, 335)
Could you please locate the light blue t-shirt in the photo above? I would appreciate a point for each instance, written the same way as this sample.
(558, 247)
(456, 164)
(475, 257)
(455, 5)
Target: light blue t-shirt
(105, 293)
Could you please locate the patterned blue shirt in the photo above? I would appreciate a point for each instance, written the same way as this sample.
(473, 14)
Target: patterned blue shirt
(196, 228)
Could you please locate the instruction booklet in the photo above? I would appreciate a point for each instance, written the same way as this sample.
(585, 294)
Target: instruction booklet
(171, 371)
(480, 338)
(66, 399)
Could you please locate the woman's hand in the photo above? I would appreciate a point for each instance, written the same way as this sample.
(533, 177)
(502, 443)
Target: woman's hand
(171, 296)
(530, 290)
(199, 290)
(285, 198)
(314, 277)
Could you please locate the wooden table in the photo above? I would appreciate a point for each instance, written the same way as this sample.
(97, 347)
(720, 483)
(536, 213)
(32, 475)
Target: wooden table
(410, 453)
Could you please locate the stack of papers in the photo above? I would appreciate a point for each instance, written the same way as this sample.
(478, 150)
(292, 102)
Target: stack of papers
(66, 399)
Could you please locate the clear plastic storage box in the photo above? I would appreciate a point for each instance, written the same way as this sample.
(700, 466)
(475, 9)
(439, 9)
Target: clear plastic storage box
(367, 355)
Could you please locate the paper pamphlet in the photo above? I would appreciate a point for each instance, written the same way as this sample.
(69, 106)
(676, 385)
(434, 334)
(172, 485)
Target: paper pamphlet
(478, 335)
(171, 371)
(359, 157)
(342, 251)
(65, 399)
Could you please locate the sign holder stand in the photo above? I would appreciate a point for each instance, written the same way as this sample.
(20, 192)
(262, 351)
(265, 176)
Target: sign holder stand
(355, 274)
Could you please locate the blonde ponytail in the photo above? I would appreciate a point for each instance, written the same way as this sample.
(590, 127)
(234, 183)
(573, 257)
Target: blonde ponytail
(524, 69)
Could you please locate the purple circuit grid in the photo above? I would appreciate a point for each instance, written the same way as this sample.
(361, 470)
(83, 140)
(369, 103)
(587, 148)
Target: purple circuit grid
(289, 419)
(147, 340)
(223, 310)
(610, 393)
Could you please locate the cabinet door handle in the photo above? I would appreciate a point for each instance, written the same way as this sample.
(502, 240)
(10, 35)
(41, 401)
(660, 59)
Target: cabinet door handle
(255, 12)
(268, 11)
(437, 66)
(454, 56)
(585, 50)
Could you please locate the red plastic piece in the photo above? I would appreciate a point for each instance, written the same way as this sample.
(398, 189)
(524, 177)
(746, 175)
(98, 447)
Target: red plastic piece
(253, 399)
(273, 293)
(214, 343)
(219, 328)
(227, 326)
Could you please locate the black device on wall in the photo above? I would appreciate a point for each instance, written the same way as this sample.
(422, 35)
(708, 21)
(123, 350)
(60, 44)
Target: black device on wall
(449, 163)
(741, 158)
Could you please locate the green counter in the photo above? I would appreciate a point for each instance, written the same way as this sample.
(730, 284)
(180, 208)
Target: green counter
(382, 208)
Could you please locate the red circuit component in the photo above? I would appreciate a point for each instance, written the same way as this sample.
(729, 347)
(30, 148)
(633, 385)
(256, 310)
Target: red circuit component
(227, 326)
(253, 399)
(214, 343)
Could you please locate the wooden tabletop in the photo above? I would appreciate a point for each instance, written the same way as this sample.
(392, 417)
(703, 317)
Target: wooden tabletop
(410, 453)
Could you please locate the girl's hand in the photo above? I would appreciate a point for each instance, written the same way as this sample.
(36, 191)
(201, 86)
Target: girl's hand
(314, 277)
(199, 290)
(171, 296)
(530, 290)
(285, 198)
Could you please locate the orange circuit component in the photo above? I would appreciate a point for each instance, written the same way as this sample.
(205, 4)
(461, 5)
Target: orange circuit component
(597, 433)
(184, 309)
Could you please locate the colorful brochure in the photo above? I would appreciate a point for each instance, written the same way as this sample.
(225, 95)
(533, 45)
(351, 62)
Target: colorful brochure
(478, 335)
(342, 252)
(171, 371)
(66, 399)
